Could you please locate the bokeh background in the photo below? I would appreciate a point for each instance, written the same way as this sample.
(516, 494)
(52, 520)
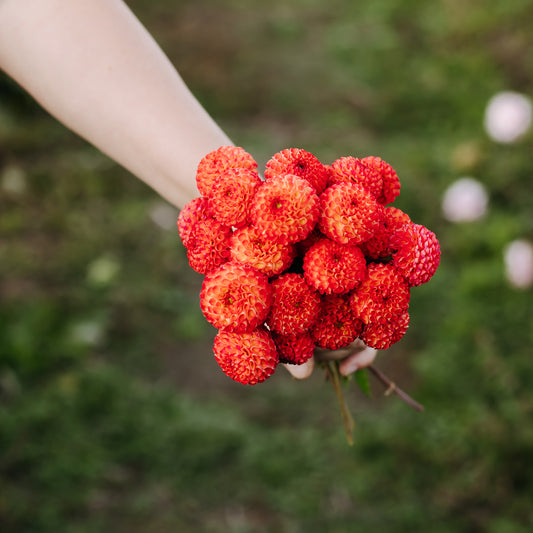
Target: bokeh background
(114, 415)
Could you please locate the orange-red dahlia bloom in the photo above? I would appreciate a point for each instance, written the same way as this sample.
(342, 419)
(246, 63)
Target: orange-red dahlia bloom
(208, 245)
(383, 295)
(349, 213)
(383, 335)
(217, 162)
(295, 305)
(299, 163)
(230, 195)
(294, 349)
(251, 246)
(336, 326)
(248, 358)
(235, 297)
(416, 253)
(333, 268)
(285, 208)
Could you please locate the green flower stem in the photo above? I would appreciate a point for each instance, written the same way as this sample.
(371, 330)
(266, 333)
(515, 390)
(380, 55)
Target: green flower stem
(334, 376)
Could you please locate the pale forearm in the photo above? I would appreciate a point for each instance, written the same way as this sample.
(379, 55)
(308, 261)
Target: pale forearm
(93, 66)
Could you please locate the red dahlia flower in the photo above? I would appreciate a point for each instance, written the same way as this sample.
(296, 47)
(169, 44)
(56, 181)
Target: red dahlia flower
(333, 268)
(235, 297)
(252, 247)
(383, 335)
(383, 295)
(217, 162)
(285, 208)
(294, 349)
(298, 162)
(230, 195)
(248, 358)
(295, 305)
(349, 214)
(336, 326)
(416, 253)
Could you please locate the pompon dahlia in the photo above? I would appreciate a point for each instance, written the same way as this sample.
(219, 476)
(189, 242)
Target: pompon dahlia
(298, 162)
(333, 268)
(354, 170)
(349, 214)
(248, 358)
(295, 305)
(390, 189)
(235, 297)
(383, 335)
(378, 246)
(252, 247)
(218, 161)
(230, 195)
(294, 349)
(336, 326)
(416, 253)
(208, 245)
(383, 295)
(285, 208)
(197, 209)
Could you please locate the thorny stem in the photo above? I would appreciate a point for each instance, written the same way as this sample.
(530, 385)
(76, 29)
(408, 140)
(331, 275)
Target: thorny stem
(392, 387)
(333, 374)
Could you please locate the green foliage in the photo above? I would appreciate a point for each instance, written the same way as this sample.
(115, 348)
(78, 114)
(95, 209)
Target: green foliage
(361, 378)
(114, 415)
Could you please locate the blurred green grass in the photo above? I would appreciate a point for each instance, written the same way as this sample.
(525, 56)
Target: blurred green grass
(114, 414)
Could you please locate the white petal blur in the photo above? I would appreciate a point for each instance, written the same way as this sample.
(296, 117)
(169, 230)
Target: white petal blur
(518, 257)
(508, 116)
(465, 200)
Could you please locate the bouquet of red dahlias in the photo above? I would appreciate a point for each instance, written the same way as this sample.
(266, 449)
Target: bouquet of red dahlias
(312, 256)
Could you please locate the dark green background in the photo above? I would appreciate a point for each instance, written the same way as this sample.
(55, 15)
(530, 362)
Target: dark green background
(114, 414)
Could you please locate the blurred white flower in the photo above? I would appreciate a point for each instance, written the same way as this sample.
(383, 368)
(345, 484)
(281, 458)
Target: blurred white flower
(518, 257)
(508, 116)
(465, 200)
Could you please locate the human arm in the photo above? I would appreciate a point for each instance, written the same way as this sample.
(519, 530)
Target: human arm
(95, 68)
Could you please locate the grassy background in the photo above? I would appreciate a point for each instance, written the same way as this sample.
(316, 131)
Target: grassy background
(114, 414)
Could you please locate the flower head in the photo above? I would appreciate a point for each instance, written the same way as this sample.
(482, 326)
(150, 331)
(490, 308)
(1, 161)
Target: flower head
(354, 170)
(416, 253)
(383, 295)
(248, 358)
(251, 246)
(230, 195)
(197, 209)
(295, 305)
(217, 162)
(235, 297)
(294, 349)
(378, 246)
(349, 213)
(298, 162)
(208, 245)
(333, 268)
(382, 335)
(285, 208)
(390, 188)
(336, 326)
